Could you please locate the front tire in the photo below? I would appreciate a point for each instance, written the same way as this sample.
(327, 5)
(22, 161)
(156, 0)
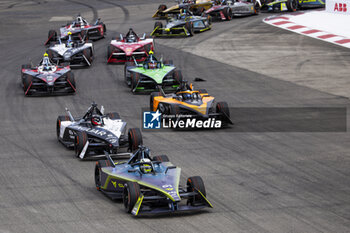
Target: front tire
(189, 28)
(135, 77)
(58, 124)
(227, 13)
(113, 115)
(161, 158)
(130, 195)
(80, 140)
(195, 184)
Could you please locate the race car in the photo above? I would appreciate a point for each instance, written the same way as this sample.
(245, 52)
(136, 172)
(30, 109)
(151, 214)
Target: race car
(184, 24)
(47, 78)
(149, 185)
(96, 132)
(189, 103)
(196, 6)
(151, 74)
(80, 28)
(76, 53)
(226, 9)
(129, 47)
(290, 5)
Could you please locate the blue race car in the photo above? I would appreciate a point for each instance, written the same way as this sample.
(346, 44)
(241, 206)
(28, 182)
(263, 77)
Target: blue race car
(149, 185)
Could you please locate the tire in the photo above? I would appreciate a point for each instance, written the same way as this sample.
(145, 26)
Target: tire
(210, 19)
(189, 28)
(201, 91)
(126, 78)
(80, 140)
(135, 77)
(88, 54)
(256, 8)
(51, 54)
(222, 107)
(52, 35)
(174, 109)
(227, 13)
(194, 184)
(162, 7)
(161, 158)
(27, 81)
(130, 195)
(58, 124)
(98, 175)
(158, 24)
(292, 5)
(151, 99)
(134, 138)
(113, 115)
(71, 79)
(200, 10)
(109, 52)
(177, 75)
(168, 62)
(26, 66)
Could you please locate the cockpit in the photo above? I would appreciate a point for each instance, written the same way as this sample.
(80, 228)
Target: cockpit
(79, 22)
(46, 65)
(131, 36)
(151, 62)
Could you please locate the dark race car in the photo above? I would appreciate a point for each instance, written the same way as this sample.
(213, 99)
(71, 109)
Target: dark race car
(75, 52)
(290, 5)
(149, 185)
(149, 75)
(47, 78)
(196, 6)
(129, 47)
(96, 132)
(184, 24)
(226, 10)
(80, 28)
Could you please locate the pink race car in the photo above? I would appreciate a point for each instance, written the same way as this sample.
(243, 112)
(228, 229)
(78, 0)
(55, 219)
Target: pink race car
(129, 48)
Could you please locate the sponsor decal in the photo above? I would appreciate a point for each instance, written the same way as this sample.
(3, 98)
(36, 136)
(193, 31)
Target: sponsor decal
(157, 120)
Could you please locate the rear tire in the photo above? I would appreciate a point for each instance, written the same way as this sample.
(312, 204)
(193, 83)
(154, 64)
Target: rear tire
(195, 184)
(130, 195)
(201, 91)
(200, 10)
(98, 175)
(113, 115)
(80, 140)
(177, 75)
(227, 13)
(134, 138)
(292, 5)
(161, 158)
(168, 62)
(58, 124)
(158, 24)
(151, 100)
(162, 7)
(52, 35)
(26, 66)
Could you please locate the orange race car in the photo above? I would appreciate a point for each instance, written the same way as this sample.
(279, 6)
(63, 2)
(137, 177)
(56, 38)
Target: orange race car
(189, 103)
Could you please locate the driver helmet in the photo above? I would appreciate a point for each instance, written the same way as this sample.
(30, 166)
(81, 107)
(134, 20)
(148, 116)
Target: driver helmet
(46, 62)
(131, 38)
(96, 120)
(69, 41)
(146, 168)
(186, 96)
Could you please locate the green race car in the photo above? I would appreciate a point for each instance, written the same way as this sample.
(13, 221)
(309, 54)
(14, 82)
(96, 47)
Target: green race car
(149, 75)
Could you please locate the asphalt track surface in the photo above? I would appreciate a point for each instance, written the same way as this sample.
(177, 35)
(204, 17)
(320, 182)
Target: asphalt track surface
(257, 182)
